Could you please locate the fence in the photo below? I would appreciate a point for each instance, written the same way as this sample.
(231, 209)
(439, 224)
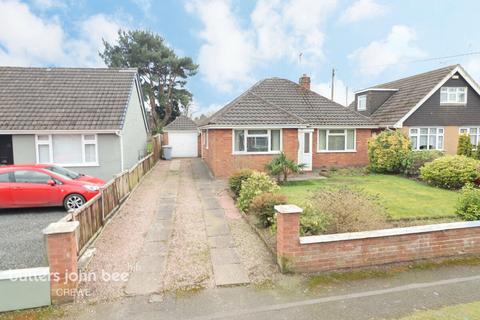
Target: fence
(93, 215)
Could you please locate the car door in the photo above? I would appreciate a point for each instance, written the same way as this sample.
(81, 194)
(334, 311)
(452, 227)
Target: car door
(5, 192)
(31, 189)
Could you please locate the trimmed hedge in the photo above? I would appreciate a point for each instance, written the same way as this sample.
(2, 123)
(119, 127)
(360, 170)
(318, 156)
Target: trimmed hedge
(235, 180)
(387, 151)
(468, 207)
(417, 159)
(450, 172)
(255, 185)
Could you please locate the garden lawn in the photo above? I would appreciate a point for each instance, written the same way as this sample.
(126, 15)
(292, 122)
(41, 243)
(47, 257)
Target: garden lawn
(402, 197)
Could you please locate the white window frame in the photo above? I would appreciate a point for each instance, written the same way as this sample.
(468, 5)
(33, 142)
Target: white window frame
(327, 134)
(467, 129)
(457, 94)
(437, 134)
(269, 139)
(362, 97)
(84, 143)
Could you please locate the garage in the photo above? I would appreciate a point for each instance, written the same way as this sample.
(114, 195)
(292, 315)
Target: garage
(182, 136)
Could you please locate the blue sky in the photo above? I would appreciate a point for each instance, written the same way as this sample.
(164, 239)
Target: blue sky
(238, 42)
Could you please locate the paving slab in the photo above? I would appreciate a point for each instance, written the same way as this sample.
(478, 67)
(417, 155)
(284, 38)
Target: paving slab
(222, 256)
(155, 248)
(141, 283)
(230, 274)
(150, 263)
(221, 242)
(218, 229)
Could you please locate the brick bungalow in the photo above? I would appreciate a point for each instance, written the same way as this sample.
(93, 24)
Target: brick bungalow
(278, 115)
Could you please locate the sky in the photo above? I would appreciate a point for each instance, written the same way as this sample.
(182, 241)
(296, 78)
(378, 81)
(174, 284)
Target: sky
(237, 43)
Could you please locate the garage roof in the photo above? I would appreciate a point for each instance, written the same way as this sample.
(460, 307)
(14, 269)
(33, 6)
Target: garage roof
(183, 123)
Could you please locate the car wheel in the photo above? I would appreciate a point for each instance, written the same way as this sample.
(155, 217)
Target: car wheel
(73, 201)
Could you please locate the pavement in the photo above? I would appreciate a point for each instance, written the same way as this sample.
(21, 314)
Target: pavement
(21, 241)
(377, 298)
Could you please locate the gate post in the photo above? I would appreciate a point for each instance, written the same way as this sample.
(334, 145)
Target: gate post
(288, 233)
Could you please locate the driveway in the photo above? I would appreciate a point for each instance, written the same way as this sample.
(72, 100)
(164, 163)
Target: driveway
(21, 241)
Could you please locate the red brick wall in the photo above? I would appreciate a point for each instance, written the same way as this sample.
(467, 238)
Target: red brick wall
(343, 159)
(222, 163)
(369, 252)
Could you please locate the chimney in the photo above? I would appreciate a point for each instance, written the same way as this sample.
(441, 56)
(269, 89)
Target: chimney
(304, 82)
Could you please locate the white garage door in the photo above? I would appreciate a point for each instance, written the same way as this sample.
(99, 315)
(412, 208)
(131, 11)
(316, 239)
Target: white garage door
(184, 144)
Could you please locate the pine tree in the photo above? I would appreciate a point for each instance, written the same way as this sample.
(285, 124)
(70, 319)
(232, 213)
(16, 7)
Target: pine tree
(464, 147)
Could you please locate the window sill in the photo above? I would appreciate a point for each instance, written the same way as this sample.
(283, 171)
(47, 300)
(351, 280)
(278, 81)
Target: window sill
(255, 153)
(336, 151)
(453, 103)
(69, 165)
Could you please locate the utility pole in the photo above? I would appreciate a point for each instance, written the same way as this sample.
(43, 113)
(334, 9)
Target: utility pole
(333, 82)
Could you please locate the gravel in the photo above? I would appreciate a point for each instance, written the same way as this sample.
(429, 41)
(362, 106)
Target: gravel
(22, 244)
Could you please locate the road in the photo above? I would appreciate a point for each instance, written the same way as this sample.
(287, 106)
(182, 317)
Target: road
(378, 298)
(21, 240)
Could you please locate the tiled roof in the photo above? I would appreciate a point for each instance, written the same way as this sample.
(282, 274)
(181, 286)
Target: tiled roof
(276, 101)
(64, 98)
(410, 91)
(181, 123)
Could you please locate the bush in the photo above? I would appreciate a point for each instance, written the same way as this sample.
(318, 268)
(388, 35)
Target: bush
(235, 180)
(262, 206)
(387, 151)
(255, 185)
(417, 159)
(476, 153)
(468, 207)
(282, 166)
(313, 222)
(450, 172)
(347, 210)
(464, 147)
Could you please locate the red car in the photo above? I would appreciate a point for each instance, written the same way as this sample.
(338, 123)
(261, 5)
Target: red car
(43, 185)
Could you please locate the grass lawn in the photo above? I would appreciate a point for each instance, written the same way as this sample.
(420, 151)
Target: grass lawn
(465, 311)
(402, 197)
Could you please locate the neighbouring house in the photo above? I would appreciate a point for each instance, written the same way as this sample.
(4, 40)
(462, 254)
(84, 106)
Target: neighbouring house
(432, 108)
(182, 135)
(280, 115)
(92, 121)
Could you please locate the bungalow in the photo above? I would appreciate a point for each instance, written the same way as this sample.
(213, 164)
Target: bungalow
(279, 115)
(432, 108)
(90, 120)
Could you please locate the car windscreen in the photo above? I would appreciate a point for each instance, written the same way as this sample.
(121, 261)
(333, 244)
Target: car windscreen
(63, 172)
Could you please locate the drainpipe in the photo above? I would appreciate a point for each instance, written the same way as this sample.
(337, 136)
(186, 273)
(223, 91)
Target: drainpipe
(122, 166)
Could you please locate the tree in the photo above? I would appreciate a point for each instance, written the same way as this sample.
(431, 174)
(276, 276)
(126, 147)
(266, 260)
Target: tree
(464, 147)
(163, 74)
(281, 165)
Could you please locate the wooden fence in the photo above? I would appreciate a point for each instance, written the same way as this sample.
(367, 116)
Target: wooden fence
(93, 215)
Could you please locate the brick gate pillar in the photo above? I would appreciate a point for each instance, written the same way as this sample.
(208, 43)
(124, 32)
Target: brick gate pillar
(61, 244)
(288, 233)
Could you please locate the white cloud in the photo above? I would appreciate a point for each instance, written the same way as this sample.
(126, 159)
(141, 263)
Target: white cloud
(362, 10)
(227, 53)
(276, 30)
(399, 46)
(28, 40)
(196, 109)
(340, 92)
(48, 4)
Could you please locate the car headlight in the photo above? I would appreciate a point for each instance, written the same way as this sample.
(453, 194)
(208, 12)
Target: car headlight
(91, 188)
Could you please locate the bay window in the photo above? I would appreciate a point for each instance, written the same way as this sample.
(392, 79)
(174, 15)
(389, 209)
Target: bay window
(67, 149)
(474, 134)
(336, 140)
(453, 95)
(257, 141)
(426, 138)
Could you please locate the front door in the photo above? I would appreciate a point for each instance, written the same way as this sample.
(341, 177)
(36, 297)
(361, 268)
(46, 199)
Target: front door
(6, 150)
(305, 148)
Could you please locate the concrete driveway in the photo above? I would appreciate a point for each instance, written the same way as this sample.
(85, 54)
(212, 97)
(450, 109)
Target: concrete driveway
(21, 240)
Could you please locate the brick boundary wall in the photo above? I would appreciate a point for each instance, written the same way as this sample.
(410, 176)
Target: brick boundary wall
(61, 243)
(369, 248)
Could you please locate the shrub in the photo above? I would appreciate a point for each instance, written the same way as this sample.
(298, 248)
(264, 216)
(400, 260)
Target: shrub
(235, 180)
(282, 166)
(387, 151)
(464, 147)
(468, 207)
(450, 172)
(476, 153)
(313, 221)
(262, 206)
(417, 159)
(255, 185)
(347, 210)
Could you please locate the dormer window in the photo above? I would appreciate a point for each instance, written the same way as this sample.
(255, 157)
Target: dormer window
(362, 103)
(454, 95)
